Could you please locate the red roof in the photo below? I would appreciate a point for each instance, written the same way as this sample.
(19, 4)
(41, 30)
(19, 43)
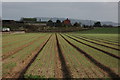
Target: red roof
(67, 21)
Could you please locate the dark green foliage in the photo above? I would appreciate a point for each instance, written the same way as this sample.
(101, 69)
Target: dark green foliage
(58, 23)
(50, 23)
(97, 24)
(76, 24)
(29, 19)
(31, 28)
(88, 26)
(104, 25)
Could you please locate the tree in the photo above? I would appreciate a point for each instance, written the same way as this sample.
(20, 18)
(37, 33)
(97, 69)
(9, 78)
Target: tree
(97, 24)
(50, 23)
(86, 26)
(76, 24)
(58, 23)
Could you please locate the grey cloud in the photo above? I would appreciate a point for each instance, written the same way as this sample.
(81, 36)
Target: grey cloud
(103, 11)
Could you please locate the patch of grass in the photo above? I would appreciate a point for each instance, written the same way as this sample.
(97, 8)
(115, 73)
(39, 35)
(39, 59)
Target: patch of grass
(101, 30)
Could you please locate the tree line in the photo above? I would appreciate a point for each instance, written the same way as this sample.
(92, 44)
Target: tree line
(59, 23)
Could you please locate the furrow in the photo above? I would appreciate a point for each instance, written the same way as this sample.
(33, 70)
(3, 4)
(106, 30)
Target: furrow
(108, 53)
(97, 43)
(32, 60)
(65, 69)
(110, 72)
(102, 41)
(8, 54)
(23, 67)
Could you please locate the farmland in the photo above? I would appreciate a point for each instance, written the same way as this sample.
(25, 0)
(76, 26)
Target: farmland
(60, 55)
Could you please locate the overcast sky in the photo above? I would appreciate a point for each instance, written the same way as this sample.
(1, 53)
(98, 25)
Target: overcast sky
(0, 6)
(100, 11)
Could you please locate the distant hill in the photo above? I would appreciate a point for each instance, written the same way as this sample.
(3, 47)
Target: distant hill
(86, 22)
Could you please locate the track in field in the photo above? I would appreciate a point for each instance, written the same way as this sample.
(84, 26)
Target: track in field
(106, 40)
(8, 54)
(97, 43)
(108, 53)
(73, 59)
(65, 69)
(32, 60)
(111, 73)
(15, 43)
(103, 41)
(20, 74)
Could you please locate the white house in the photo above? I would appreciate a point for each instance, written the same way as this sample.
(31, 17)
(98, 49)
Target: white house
(5, 29)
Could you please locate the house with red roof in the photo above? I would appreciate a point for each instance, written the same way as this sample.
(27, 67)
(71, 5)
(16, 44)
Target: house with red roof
(67, 22)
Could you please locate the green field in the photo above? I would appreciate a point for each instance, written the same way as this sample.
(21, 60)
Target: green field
(97, 30)
(85, 54)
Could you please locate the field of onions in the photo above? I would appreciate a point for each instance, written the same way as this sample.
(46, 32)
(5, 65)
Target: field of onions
(60, 55)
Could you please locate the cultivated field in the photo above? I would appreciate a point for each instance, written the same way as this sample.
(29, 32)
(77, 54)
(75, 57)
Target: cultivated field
(60, 55)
